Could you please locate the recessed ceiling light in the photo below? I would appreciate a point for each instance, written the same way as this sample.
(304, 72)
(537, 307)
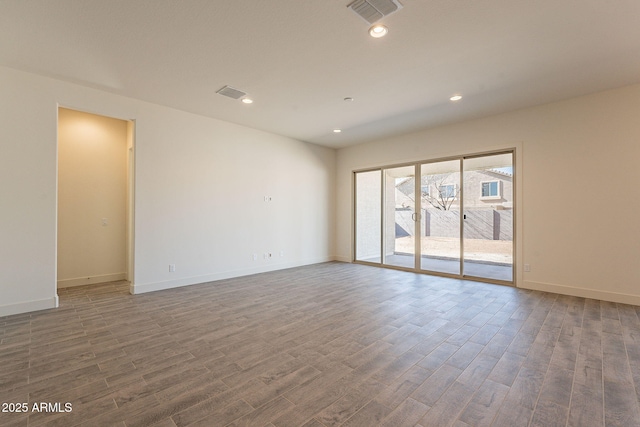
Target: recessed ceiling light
(456, 98)
(247, 100)
(337, 130)
(378, 31)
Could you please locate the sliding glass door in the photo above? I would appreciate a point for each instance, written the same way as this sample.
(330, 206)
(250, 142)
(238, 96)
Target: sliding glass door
(440, 209)
(451, 217)
(488, 217)
(368, 207)
(400, 216)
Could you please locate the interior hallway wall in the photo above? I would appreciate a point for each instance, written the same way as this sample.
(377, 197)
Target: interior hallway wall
(92, 192)
(200, 185)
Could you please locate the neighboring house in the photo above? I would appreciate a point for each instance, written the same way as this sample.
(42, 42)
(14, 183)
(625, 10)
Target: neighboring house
(490, 188)
(488, 204)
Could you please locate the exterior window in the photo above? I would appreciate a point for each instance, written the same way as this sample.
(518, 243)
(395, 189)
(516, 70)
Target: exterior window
(447, 191)
(491, 189)
(425, 191)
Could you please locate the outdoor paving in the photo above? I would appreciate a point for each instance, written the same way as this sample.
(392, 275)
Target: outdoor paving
(488, 259)
(496, 251)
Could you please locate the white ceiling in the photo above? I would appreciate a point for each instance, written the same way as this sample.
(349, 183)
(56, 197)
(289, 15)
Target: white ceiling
(299, 58)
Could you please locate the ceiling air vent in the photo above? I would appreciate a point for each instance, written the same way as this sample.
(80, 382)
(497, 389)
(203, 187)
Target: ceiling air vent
(374, 10)
(231, 92)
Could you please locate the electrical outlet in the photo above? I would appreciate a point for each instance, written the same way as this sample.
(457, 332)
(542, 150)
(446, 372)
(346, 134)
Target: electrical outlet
(281, 253)
(172, 268)
(255, 257)
(527, 268)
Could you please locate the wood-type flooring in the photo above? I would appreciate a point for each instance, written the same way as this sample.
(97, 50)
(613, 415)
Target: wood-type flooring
(330, 344)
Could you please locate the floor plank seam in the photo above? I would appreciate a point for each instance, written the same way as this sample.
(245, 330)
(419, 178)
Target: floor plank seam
(351, 344)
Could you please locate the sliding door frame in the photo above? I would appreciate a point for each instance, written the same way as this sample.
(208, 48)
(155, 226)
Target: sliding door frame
(511, 152)
(418, 211)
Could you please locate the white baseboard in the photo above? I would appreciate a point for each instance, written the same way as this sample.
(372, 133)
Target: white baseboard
(25, 307)
(136, 288)
(582, 292)
(81, 281)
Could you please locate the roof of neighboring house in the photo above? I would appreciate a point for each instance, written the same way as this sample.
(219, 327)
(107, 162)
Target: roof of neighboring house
(501, 172)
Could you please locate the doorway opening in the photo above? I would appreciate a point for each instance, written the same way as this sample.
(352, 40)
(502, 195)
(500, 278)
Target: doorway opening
(452, 217)
(95, 199)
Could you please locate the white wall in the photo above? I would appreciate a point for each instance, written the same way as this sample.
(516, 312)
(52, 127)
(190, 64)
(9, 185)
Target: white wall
(27, 195)
(200, 185)
(579, 195)
(92, 196)
(199, 193)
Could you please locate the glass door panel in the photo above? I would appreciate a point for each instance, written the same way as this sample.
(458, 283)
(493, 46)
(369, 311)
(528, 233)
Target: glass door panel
(488, 217)
(452, 217)
(440, 217)
(368, 216)
(400, 216)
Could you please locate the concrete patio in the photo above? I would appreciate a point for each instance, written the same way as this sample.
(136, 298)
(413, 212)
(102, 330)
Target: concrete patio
(491, 259)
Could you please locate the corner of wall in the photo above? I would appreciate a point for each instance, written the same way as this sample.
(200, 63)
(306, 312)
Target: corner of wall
(582, 292)
(28, 306)
(135, 289)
